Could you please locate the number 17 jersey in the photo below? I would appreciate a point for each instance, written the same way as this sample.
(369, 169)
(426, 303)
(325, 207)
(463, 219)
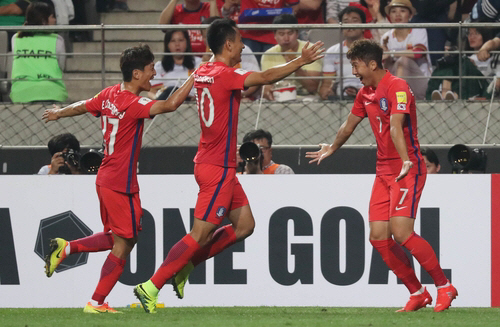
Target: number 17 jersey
(218, 95)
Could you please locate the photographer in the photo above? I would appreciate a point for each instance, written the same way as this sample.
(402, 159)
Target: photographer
(251, 158)
(65, 152)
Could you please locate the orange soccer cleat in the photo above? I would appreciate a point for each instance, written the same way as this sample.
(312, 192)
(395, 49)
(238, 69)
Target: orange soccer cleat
(444, 298)
(417, 302)
(103, 308)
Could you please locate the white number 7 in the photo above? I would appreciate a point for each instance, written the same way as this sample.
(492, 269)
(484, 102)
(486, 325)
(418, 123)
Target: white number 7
(380, 124)
(405, 191)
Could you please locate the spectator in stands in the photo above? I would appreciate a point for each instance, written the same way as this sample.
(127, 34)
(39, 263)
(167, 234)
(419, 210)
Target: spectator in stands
(191, 12)
(288, 41)
(265, 141)
(431, 161)
(333, 9)
(309, 12)
(376, 8)
(179, 67)
(39, 60)
(262, 40)
(248, 62)
(406, 39)
(471, 66)
(331, 63)
(63, 148)
(229, 9)
(12, 12)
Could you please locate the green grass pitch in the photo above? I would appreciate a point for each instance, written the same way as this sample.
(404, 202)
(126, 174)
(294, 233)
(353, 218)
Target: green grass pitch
(252, 316)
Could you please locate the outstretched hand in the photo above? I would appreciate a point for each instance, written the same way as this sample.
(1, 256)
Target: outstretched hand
(50, 114)
(318, 156)
(407, 165)
(313, 53)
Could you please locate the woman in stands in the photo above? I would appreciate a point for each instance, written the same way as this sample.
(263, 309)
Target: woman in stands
(39, 58)
(175, 67)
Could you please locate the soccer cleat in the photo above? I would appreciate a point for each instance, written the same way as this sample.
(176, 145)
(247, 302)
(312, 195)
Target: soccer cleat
(147, 300)
(103, 308)
(180, 279)
(417, 302)
(444, 298)
(56, 256)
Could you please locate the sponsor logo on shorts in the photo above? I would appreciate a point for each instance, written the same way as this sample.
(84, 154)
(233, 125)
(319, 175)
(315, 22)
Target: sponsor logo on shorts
(400, 208)
(221, 212)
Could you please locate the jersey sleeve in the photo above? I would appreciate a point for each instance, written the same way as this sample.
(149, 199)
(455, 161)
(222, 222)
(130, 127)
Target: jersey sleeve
(235, 78)
(94, 105)
(140, 108)
(399, 97)
(358, 108)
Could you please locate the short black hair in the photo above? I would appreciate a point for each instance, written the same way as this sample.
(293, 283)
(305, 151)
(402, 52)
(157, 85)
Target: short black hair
(135, 58)
(366, 51)
(351, 9)
(285, 19)
(60, 142)
(431, 156)
(258, 134)
(219, 31)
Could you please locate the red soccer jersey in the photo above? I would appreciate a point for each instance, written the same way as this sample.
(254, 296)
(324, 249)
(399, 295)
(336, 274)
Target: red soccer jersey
(184, 16)
(122, 118)
(218, 95)
(392, 96)
(264, 36)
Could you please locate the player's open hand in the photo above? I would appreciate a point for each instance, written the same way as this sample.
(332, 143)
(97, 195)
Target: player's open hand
(318, 156)
(50, 114)
(407, 165)
(313, 53)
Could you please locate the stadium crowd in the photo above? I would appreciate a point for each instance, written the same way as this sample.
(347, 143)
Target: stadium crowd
(405, 48)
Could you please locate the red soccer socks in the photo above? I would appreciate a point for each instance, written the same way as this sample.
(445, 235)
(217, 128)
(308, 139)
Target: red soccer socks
(93, 243)
(396, 259)
(423, 252)
(110, 273)
(178, 256)
(222, 239)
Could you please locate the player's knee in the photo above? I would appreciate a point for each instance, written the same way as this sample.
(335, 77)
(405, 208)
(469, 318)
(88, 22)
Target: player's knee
(243, 231)
(401, 235)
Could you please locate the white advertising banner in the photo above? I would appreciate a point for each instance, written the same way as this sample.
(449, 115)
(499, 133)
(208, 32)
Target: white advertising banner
(310, 246)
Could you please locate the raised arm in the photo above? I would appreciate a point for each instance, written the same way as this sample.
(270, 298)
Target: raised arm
(175, 100)
(74, 109)
(272, 75)
(397, 136)
(345, 131)
(168, 12)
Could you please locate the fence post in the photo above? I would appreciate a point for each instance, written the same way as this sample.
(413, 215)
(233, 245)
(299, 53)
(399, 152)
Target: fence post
(341, 46)
(460, 60)
(103, 58)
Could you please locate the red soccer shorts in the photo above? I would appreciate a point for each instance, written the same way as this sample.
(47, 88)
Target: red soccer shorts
(396, 199)
(120, 212)
(220, 192)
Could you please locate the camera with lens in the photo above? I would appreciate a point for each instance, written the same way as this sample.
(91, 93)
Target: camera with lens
(251, 154)
(464, 159)
(91, 161)
(72, 158)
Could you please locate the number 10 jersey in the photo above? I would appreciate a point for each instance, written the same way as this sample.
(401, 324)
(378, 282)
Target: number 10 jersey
(218, 95)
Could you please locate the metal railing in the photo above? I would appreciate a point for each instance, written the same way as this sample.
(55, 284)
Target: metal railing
(106, 28)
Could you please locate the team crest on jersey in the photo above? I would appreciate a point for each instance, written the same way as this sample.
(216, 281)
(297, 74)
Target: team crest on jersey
(221, 212)
(383, 104)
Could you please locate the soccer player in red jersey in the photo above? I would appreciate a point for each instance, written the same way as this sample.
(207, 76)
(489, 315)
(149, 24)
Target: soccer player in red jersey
(218, 86)
(389, 104)
(122, 112)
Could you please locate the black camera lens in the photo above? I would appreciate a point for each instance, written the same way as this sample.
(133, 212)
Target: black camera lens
(249, 152)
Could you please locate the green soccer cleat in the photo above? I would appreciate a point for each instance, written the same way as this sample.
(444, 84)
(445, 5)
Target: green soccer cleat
(180, 279)
(147, 300)
(56, 256)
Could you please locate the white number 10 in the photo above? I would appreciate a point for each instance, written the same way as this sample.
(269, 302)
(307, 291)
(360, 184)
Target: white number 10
(211, 109)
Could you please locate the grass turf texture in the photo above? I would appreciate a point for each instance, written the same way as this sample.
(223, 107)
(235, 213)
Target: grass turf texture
(252, 316)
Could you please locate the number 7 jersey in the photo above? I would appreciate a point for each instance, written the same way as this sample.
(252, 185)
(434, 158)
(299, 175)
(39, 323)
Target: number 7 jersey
(122, 116)
(218, 95)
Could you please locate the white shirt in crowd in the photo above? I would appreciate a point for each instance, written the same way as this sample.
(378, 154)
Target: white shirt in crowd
(175, 77)
(485, 66)
(248, 60)
(331, 65)
(417, 36)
